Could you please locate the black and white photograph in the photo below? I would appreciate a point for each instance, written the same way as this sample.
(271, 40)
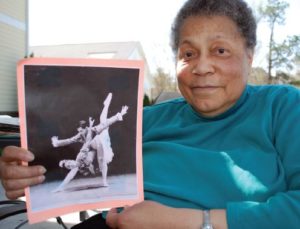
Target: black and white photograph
(81, 123)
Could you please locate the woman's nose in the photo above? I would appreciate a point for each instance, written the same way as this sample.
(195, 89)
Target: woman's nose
(203, 66)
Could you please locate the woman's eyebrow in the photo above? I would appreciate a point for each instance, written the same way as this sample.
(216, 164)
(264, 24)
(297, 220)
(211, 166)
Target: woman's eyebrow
(185, 41)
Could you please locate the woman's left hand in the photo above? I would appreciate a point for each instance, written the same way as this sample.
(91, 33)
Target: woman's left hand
(149, 214)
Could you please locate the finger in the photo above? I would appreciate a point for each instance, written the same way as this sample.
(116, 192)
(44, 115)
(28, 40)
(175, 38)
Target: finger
(21, 172)
(14, 153)
(12, 195)
(14, 185)
(112, 218)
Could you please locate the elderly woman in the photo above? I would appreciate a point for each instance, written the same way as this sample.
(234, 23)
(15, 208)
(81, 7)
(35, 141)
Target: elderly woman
(224, 156)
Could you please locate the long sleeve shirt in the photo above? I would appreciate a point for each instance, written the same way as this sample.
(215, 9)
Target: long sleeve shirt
(246, 160)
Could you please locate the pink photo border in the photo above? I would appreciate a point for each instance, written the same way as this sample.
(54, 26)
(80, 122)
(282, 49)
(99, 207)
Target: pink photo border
(35, 217)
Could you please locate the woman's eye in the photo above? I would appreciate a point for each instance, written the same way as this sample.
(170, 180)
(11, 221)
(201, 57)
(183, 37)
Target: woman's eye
(188, 54)
(221, 50)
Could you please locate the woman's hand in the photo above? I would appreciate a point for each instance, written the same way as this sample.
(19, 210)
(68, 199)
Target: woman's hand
(149, 214)
(15, 176)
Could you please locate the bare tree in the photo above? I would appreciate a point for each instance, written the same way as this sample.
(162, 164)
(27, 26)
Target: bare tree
(274, 13)
(162, 81)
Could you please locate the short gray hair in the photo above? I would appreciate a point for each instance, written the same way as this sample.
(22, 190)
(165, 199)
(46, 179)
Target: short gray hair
(237, 10)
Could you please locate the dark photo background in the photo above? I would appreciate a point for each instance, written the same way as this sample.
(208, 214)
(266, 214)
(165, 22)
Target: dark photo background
(58, 97)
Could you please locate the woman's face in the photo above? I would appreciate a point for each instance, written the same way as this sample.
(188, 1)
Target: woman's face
(212, 64)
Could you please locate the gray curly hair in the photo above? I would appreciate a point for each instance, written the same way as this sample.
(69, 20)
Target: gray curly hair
(237, 10)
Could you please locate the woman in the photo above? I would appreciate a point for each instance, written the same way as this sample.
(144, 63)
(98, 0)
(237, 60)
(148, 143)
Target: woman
(225, 155)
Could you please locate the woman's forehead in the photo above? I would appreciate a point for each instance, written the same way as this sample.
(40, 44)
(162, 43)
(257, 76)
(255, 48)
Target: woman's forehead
(212, 27)
(209, 22)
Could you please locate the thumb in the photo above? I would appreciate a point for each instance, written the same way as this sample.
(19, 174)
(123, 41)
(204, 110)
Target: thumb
(112, 218)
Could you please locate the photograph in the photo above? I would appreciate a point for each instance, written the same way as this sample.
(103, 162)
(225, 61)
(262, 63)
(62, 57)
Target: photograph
(82, 118)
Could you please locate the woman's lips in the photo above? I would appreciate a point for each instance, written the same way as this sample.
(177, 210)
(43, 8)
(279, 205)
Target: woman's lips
(205, 89)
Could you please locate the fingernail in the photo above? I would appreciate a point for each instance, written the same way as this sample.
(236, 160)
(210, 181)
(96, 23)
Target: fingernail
(42, 170)
(41, 178)
(29, 156)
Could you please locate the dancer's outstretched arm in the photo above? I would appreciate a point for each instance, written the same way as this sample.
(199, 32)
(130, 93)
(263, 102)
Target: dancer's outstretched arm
(64, 142)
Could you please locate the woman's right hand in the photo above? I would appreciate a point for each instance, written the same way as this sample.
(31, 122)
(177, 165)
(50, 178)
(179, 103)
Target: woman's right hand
(15, 176)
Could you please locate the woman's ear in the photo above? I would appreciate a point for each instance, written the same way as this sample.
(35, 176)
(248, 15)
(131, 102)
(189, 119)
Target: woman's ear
(250, 55)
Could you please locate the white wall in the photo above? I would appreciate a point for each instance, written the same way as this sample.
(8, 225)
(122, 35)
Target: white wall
(109, 50)
(13, 42)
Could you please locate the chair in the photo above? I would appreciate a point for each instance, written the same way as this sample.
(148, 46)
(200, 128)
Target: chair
(10, 208)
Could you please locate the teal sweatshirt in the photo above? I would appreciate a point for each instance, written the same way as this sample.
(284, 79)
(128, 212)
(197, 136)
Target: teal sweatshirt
(246, 160)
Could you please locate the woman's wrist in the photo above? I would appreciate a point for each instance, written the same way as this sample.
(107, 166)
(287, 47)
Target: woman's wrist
(193, 219)
(187, 218)
(218, 218)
